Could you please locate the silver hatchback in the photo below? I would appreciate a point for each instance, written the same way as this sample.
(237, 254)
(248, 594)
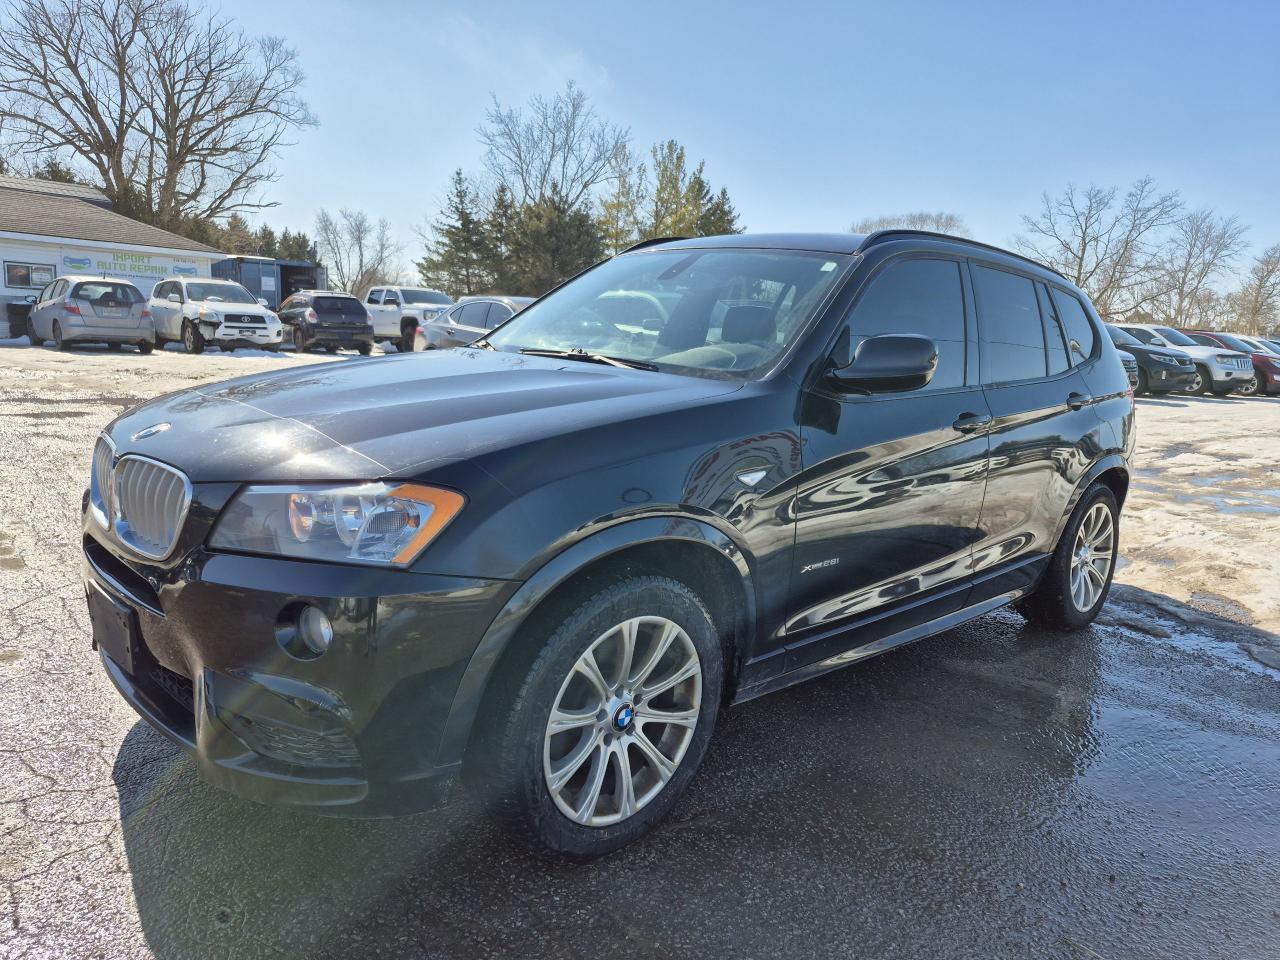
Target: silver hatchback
(91, 310)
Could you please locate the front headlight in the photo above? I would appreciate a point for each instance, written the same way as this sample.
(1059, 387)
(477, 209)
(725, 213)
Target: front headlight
(380, 523)
(1165, 359)
(1226, 359)
(210, 315)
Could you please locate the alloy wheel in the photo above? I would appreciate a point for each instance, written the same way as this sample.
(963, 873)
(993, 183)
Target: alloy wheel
(622, 721)
(1092, 556)
(1250, 388)
(188, 338)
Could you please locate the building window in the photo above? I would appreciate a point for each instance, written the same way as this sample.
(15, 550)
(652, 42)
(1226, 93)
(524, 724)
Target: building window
(28, 276)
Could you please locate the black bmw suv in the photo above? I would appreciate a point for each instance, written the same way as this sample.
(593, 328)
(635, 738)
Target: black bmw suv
(547, 561)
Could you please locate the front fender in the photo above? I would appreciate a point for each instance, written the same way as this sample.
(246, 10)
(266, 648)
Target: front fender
(506, 625)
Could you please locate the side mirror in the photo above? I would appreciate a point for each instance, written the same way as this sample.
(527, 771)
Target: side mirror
(1158, 342)
(887, 363)
(262, 301)
(30, 298)
(174, 298)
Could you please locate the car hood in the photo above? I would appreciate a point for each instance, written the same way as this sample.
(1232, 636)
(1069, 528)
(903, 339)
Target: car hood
(390, 416)
(1203, 352)
(239, 309)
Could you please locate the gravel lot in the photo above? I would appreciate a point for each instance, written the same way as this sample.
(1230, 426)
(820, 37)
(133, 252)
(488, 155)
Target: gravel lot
(993, 792)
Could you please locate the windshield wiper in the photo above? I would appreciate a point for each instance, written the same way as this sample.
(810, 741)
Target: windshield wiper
(577, 353)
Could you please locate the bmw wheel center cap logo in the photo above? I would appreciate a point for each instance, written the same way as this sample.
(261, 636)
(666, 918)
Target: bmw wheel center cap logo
(624, 716)
(150, 431)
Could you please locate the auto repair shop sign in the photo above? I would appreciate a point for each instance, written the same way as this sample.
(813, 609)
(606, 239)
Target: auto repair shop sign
(139, 267)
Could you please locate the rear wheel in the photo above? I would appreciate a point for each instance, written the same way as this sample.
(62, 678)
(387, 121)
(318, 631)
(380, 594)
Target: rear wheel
(299, 340)
(330, 348)
(593, 743)
(365, 349)
(57, 337)
(408, 334)
(1076, 584)
(145, 347)
(115, 347)
(192, 338)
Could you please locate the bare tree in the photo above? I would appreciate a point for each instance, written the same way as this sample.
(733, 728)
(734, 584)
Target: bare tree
(177, 114)
(940, 222)
(357, 252)
(1201, 248)
(1256, 305)
(557, 145)
(1104, 243)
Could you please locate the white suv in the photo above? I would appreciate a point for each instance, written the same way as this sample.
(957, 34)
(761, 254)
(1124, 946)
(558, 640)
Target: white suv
(201, 312)
(398, 311)
(1217, 369)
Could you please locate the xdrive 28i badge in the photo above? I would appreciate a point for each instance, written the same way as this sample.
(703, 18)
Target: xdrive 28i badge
(150, 431)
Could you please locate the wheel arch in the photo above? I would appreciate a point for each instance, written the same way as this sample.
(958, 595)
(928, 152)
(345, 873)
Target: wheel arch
(689, 550)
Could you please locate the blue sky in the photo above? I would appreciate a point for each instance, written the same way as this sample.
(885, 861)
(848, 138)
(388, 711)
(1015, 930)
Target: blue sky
(812, 114)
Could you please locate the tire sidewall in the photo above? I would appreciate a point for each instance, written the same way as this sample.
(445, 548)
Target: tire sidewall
(635, 597)
(1061, 567)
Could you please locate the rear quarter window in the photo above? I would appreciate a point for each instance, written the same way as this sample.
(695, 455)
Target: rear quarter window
(1081, 337)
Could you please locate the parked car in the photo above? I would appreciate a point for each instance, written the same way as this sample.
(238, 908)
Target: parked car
(1266, 366)
(1160, 369)
(467, 321)
(1130, 363)
(322, 318)
(78, 309)
(398, 311)
(548, 562)
(199, 312)
(1216, 369)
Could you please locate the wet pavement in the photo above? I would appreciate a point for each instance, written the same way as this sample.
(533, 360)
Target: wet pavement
(993, 792)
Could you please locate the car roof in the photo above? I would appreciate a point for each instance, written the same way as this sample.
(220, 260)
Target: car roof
(841, 243)
(93, 278)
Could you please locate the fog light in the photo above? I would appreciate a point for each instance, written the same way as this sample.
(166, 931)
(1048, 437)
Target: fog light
(314, 629)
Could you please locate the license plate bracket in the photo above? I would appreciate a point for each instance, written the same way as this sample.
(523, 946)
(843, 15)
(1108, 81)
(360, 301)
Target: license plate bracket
(115, 627)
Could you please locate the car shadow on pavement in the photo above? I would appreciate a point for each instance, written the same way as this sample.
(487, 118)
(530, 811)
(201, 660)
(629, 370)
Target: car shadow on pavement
(934, 795)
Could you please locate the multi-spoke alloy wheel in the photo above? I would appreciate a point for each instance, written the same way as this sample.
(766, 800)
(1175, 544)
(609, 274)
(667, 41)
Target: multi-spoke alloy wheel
(622, 721)
(1092, 556)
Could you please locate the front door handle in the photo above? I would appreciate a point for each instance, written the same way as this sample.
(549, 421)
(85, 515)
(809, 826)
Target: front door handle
(1076, 401)
(971, 422)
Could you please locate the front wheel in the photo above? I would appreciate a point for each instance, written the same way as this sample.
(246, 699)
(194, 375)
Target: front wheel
(591, 745)
(1201, 382)
(408, 334)
(1076, 584)
(192, 338)
(35, 338)
(1250, 389)
(1143, 385)
(365, 349)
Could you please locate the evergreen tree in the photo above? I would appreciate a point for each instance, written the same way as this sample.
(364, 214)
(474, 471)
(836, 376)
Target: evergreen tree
(499, 226)
(295, 246)
(457, 257)
(717, 215)
(553, 240)
(621, 209)
(673, 211)
(264, 240)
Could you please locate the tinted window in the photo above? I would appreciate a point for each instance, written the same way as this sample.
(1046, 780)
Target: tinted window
(100, 290)
(426, 296)
(1080, 334)
(374, 296)
(472, 314)
(1013, 345)
(1122, 339)
(1204, 341)
(922, 297)
(1055, 336)
(349, 306)
(1175, 337)
(497, 313)
(1146, 336)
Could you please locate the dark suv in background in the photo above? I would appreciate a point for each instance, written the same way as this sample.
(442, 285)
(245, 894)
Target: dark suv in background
(322, 318)
(699, 472)
(1160, 369)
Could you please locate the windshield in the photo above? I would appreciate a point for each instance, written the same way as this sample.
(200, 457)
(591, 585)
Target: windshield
(1175, 337)
(424, 296)
(1122, 339)
(730, 312)
(1234, 342)
(219, 292)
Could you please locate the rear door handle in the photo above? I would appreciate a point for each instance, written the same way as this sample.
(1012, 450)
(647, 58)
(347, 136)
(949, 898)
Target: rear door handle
(972, 422)
(1076, 401)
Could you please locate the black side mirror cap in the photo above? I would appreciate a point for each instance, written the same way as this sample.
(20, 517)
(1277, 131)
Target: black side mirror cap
(888, 363)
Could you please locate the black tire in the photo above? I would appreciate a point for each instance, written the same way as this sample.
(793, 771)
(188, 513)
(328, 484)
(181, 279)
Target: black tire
(365, 349)
(57, 337)
(330, 348)
(505, 764)
(1203, 383)
(1144, 385)
(299, 340)
(1250, 389)
(273, 348)
(35, 338)
(115, 347)
(1050, 604)
(192, 338)
(408, 336)
(145, 347)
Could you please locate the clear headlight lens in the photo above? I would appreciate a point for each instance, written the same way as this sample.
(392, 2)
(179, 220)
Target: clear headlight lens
(1225, 358)
(381, 523)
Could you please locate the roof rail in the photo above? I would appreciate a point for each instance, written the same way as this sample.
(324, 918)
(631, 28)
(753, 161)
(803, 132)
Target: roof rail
(652, 241)
(880, 236)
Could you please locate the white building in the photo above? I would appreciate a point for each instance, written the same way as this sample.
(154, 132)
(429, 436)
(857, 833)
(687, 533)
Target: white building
(48, 229)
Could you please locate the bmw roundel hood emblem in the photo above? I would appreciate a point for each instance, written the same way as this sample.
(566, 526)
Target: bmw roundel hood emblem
(151, 431)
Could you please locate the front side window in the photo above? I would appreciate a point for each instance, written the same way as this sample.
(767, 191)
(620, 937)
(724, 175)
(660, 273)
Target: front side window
(219, 291)
(1013, 346)
(715, 312)
(1080, 333)
(375, 296)
(923, 297)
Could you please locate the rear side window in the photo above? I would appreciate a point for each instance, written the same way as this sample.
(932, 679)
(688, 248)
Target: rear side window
(1013, 345)
(1055, 336)
(472, 314)
(497, 313)
(1080, 332)
(923, 297)
(98, 291)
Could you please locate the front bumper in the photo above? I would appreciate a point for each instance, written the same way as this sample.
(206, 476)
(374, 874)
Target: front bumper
(354, 732)
(223, 335)
(1164, 378)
